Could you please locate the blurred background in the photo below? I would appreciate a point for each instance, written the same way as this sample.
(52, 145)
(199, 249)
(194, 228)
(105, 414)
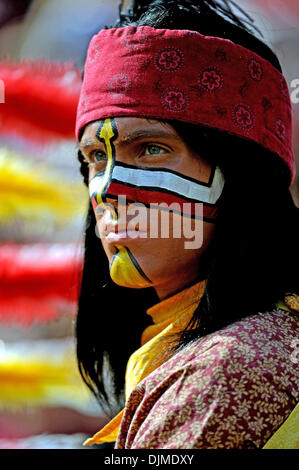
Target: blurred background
(43, 402)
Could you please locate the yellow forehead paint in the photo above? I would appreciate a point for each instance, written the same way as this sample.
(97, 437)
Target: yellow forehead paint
(124, 268)
(106, 133)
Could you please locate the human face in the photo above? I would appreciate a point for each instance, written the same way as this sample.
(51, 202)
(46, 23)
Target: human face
(130, 147)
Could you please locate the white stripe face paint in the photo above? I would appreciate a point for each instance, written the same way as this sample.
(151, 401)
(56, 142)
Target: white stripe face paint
(164, 180)
(171, 182)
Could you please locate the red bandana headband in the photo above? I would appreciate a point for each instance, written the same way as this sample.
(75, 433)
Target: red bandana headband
(179, 74)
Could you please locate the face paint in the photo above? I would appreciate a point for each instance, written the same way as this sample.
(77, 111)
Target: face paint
(124, 268)
(152, 186)
(106, 133)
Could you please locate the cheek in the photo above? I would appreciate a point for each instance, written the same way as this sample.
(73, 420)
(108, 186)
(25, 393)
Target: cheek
(172, 245)
(102, 220)
(183, 233)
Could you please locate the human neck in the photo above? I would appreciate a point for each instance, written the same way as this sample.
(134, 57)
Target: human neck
(174, 285)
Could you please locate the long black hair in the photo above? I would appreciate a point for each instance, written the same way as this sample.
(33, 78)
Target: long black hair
(253, 258)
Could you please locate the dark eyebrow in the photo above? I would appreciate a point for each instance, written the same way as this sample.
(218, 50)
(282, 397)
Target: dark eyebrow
(133, 136)
(147, 133)
(86, 143)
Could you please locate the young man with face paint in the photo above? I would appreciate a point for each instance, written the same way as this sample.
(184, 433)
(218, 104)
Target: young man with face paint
(177, 124)
(122, 167)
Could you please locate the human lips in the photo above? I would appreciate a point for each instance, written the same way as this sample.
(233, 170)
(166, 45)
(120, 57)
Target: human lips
(123, 235)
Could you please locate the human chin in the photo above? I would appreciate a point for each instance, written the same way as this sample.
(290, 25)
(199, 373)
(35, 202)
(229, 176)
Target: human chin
(155, 263)
(152, 261)
(126, 264)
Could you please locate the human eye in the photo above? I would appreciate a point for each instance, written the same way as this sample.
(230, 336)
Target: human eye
(154, 149)
(96, 157)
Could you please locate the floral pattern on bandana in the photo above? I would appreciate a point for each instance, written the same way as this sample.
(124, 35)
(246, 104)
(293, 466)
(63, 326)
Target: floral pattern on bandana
(211, 79)
(243, 117)
(174, 99)
(280, 129)
(133, 38)
(119, 84)
(255, 70)
(84, 102)
(93, 53)
(169, 60)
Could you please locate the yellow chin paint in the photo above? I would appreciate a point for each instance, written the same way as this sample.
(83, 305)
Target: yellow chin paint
(124, 268)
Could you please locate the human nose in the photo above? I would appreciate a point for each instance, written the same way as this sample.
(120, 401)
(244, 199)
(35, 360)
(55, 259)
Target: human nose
(108, 209)
(113, 207)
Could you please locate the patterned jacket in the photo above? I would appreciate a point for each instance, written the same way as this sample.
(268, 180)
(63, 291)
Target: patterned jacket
(231, 389)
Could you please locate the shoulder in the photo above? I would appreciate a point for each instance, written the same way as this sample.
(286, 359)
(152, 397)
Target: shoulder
(260, 343)
(233, 387)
